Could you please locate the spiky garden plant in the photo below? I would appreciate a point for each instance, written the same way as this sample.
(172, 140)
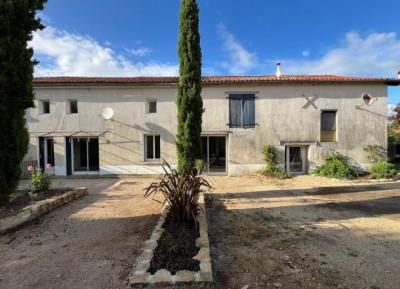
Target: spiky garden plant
(180, 190)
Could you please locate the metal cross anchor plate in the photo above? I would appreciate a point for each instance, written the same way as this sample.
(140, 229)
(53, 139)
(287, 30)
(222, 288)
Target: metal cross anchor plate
(310, 102)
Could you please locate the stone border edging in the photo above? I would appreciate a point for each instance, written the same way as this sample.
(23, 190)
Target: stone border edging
(34, 211)
(163, 278)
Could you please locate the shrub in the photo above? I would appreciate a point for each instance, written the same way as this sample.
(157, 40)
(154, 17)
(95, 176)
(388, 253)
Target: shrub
(382, 170)
(375, 153)
(180, 190)
(270, 154)
(40, 180)
(337, 166)
(275, 172)
(271, 168)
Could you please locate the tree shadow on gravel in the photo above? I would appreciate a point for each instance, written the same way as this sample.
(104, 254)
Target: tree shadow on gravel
(92, 242)
(280, 246)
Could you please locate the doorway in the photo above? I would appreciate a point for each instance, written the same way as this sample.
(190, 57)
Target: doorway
(46, 152)
(296, 159)
(214, 153)
(85, 152)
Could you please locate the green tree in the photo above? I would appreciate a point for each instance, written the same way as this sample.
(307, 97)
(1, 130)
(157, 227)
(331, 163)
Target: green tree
(17, 22)
(189, 102)
(394, 125)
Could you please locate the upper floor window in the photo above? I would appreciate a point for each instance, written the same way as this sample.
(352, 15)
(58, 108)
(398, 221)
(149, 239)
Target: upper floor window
(45, 106)
(242, 110)
(72, 106)
(152, 106)
(328, 126)
(152, 147)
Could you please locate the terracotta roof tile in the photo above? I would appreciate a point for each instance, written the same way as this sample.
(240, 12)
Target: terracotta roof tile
(208, 80)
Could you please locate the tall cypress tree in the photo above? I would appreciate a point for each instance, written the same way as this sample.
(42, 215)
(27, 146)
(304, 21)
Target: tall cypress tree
(17, 22)
(189, 102)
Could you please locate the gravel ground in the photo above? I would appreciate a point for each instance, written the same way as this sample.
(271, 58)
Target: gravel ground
(306, 232)
(92, 242)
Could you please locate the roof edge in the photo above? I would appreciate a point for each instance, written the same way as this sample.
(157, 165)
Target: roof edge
(208, 80)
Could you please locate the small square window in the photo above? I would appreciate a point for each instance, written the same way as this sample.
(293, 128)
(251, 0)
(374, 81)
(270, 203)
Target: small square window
(152, 147)
(152, 106)
(45, 106)
(72, 106)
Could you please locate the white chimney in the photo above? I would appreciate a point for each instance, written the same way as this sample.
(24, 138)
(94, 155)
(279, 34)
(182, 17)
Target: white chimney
(278, 70)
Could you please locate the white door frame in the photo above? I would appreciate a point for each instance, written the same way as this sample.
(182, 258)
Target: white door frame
(87, 172)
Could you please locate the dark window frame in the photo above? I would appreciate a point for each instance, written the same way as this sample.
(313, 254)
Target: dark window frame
(324, 127)
(244, 98)
(155, 153)
(152, 106)
(70, 105)
(45, 106)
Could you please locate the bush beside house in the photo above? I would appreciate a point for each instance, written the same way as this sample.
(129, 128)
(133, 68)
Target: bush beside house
(337, 166)
(380, 168)
(40, 179)
(271, 168)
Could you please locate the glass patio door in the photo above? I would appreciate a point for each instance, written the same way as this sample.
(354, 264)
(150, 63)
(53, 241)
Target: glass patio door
(85, 155)
(214, 153)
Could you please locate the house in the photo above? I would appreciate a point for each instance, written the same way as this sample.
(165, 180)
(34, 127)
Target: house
(126, 125)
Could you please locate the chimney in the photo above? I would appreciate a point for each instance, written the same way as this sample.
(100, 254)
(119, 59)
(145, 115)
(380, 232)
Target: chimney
(278, 70)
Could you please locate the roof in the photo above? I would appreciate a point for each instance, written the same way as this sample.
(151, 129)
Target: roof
(209, 80)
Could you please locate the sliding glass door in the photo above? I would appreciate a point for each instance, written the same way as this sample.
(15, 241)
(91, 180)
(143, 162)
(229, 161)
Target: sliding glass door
(85, 153)
(214, 153)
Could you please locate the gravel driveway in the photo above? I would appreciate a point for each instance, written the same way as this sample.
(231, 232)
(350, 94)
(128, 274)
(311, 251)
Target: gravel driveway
(305, 233)
(92, 242)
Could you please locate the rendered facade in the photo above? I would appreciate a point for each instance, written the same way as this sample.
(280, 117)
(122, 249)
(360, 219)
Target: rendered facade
(127, 125)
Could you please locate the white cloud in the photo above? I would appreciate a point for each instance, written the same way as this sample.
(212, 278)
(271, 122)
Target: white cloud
(63, 53)
(240, 59)
(376, 54)
(140, 52)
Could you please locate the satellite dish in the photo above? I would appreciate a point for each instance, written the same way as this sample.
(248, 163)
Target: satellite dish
(367, 98)
(107, 113)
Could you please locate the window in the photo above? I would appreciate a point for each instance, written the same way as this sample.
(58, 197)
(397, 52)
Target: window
(242, 110)
(151, 106)
(152, 147)
(72, 106)
(45, 106)
(328, 126)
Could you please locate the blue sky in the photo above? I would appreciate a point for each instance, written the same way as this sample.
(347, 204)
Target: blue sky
(131, 37)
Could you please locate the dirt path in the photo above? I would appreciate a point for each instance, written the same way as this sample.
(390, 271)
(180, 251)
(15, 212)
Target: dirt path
(92, 242)
(268, 234)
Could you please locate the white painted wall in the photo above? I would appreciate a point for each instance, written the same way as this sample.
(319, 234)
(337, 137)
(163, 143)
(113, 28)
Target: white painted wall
(279, 114)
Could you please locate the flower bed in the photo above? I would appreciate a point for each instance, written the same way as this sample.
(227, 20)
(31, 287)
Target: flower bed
(181, 271)
(24, 198)
(16, 215)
